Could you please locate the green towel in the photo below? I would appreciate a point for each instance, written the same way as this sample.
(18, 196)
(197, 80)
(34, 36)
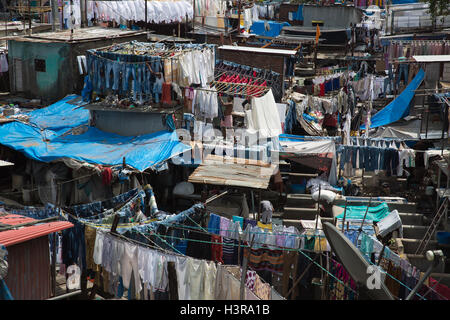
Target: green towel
(374, 214)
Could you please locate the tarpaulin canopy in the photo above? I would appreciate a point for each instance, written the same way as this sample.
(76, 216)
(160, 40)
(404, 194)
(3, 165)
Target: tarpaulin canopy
(406, 130)
(49, 136)
(398, 108)
(291, 144)
(376, 213)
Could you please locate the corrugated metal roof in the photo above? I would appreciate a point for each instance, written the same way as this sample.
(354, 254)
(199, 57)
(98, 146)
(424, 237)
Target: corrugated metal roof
(22, 234)
(236, 172)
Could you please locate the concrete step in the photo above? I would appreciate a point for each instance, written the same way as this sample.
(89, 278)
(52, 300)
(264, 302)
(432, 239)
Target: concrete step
(403, 207)
(300, 200)
(409, 207)
(296, 222)
(421, 263)
(444, 277)
(410, 245)
(411, 218)
(415, 232)
(300, 213)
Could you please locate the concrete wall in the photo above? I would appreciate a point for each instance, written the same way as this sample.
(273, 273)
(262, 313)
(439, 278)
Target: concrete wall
(119, 122)
(332, 16)
(61, 76)
(254, 59)
(34, 84)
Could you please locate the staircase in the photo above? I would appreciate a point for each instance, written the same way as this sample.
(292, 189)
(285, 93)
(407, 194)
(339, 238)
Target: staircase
(300, 207)
(416, 227)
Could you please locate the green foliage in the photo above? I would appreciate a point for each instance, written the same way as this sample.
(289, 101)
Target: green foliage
(438, 8)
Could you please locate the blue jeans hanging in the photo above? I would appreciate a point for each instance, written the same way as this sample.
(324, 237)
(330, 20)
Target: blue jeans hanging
(402, 73)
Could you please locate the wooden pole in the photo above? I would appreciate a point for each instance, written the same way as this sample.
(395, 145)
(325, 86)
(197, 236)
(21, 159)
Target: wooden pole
(55, 237)
(239, 18)
(193, 18)
(173, 282)
(244, 271)
(29, 17)
(301, 276)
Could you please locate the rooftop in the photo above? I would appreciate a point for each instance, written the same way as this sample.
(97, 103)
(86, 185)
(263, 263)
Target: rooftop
(80, 35)
(25, 233)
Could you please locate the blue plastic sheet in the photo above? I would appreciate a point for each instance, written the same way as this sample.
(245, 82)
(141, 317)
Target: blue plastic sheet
(399, 107)
(258, 27)
(48, 137)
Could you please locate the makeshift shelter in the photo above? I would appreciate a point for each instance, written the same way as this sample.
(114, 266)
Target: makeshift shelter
(319, 154)
(233, 172)
(47, 138)
(26, 240)
(399, 107)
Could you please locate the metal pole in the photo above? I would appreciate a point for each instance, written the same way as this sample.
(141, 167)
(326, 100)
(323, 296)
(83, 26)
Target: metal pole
(146, 15)
(318, 210)
(66, 295)
(345, 213)
(362, 223)
(421, 281)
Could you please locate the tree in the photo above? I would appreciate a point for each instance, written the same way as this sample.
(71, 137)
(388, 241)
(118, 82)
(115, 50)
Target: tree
(438, 8)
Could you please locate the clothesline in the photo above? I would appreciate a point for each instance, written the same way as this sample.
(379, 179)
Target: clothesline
(52, 186)
(418, 41)
(188, 228)
(248, 246)
(363, 231)
(222, 72)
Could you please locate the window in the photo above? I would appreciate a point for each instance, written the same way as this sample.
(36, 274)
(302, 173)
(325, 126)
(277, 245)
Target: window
(39, 65)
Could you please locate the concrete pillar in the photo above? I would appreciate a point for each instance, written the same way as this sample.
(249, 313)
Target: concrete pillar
(83, 5)
(55, 15)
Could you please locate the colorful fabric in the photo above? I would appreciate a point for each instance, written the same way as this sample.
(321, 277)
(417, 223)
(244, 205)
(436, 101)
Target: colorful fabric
(264, 259)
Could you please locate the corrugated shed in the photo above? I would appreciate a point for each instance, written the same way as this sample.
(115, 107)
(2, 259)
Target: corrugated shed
(28, 275)
(22, 234)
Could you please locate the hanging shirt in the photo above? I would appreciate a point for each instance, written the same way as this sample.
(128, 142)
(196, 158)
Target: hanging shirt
(194, 279)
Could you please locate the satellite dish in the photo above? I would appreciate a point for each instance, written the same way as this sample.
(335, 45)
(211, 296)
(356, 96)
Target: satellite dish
(354, 262)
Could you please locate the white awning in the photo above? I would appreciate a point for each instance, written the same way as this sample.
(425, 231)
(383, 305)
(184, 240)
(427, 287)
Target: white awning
(259, 50)
(5, 163)
(432, 58)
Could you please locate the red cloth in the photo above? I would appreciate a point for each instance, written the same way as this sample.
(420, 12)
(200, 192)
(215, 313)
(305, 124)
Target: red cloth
(322, 89)
(166, 90)
(106, 176)
(330, 120)
(216, 248)
(442, 289)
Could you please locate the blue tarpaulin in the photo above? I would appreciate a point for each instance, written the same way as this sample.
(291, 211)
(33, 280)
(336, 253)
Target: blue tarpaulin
(273, 28)
(298, 15)
(394, 2)
(398, 108)
(48, 137)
